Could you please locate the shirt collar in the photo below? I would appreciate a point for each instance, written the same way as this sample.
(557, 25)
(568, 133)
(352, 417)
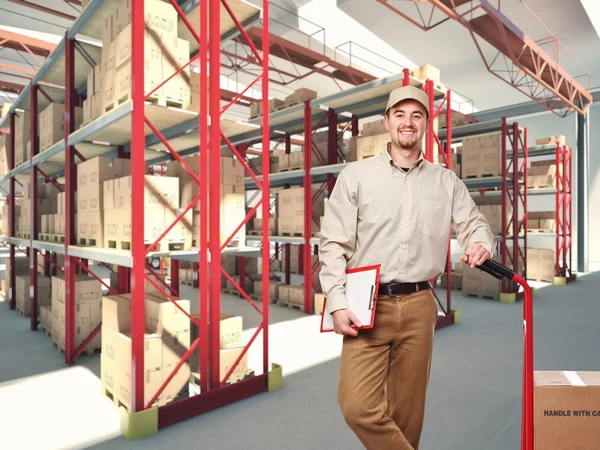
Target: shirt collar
(389, 161)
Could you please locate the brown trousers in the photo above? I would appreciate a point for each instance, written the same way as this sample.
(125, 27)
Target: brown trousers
(384, 373)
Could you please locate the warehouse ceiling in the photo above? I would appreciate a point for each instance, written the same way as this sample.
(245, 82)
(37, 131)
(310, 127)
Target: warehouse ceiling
(450, 47)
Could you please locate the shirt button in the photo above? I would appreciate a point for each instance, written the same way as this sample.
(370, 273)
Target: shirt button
(404, 247)
(406, 224)
(402, 271)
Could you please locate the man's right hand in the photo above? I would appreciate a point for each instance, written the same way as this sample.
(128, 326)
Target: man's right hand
(343, 321)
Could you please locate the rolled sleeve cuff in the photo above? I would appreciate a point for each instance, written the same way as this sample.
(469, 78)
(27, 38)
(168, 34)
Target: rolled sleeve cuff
(335, 302)
(484, 237)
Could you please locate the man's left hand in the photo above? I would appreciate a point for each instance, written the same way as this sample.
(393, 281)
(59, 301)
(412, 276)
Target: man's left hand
(475, 255)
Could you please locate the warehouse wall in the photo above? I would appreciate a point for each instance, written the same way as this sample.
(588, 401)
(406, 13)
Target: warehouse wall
(550, 124)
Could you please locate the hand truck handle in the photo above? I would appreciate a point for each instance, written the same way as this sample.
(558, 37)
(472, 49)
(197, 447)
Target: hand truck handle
(496, 270)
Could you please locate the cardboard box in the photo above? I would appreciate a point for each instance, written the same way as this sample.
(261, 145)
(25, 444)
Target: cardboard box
(427, 72)
(108, 374)
(116, 313)
(154, 225)
(160, 17)
(300, 95)
(87, 290)
(471, 281)
(374, 145)
(273, 289)
(122, 80)
(22, 293)
(559, 139)
(175, 54)
(99, 169)
(546, 265)
(159, 192)
(228, 357)
(566, 409)
(481, 156)
(533, 264)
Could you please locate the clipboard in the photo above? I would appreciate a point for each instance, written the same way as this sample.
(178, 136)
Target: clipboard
(362, 284)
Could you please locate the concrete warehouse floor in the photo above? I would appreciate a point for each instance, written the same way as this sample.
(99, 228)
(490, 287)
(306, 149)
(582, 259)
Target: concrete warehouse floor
(473, 403)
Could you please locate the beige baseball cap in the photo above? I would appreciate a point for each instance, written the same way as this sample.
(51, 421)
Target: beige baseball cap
(406, 93)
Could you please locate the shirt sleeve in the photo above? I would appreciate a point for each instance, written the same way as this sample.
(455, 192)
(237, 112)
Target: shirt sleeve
(468, 223)
(338, 238)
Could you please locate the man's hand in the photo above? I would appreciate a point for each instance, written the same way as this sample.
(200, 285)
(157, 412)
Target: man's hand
(475, 255)
(343, 321)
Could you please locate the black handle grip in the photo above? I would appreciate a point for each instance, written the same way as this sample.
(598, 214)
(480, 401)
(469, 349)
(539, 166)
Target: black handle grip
(496, 270)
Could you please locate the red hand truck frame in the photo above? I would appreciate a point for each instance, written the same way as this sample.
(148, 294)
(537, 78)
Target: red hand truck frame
(499, 271)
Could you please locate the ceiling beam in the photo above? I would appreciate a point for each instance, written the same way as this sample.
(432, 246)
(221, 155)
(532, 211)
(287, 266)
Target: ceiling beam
(74, 2)
(7, 86)
(18, 68)
(21, 42)
(27, 4)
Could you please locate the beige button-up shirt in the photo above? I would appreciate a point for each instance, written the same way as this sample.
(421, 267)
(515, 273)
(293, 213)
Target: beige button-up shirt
(379, 214)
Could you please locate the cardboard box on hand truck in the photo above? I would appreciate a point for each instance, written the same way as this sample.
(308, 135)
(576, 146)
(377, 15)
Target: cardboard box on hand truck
(567, 410)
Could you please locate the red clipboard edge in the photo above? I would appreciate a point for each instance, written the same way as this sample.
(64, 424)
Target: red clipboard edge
(377, 268)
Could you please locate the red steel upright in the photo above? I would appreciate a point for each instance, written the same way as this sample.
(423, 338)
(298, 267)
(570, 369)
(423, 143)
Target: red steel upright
(563, 267)
(70, 188)
(138, 147)
(33, 193)
(11, 201)
(308, 210)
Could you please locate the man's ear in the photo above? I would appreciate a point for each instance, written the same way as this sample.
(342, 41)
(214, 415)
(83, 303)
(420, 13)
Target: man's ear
(386, 122)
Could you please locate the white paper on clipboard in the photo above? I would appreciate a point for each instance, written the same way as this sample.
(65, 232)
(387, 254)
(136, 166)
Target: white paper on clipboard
(361, 295)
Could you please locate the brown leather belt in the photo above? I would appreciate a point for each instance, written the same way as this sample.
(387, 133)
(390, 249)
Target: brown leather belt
(395, 289)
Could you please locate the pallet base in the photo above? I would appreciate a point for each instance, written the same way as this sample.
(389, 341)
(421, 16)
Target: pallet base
(289, 169)
(46, 330)
(58, 238)
(88, 351)
(258, 298)
(159, 100)
(22, 311)
(46, 237)
(163, 246)
(90, 242)
(292, 234)
(491, 297)
(290, 305)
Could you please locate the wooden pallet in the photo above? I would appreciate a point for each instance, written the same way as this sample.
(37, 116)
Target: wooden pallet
(159, 100)
(58, 238)
(292, 234)
(258, 298)
(491, 297)
(539, 231)
(90, 242)
(477, 177)
(189, 283)
(289, 169)
(231, 292)
(21, 235)
(163, 245)
(46, 330)
(233, 244)
(22, 311)
(254, 232)
(290, 305)
(113, 398)
(47, 237)
(292, 104)
(89, 351)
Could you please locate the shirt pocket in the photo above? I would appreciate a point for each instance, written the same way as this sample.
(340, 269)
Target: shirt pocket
(433, 219)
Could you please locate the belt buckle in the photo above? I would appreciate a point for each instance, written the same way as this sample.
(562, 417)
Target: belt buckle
(389, 290)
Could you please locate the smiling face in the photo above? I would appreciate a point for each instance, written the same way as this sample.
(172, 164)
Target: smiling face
(407, 122)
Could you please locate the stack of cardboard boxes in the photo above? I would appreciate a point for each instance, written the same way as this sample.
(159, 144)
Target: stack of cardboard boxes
(374, 140)
(21, 267)
(51, 123)
(4, 150)
(23, 295)
(427, 72)
(290, 211)
(542, 175)
(166, 339)
(543, 222)
(540, 264)
(273, 289)
(22, 137)
(232, 204)
(456, 277)
(6, 217)
(230, 329)
(257, 107)
(88, 310)
(559, 139)
(482, 156)
(164, 53)
(161, 208)
(90, 196)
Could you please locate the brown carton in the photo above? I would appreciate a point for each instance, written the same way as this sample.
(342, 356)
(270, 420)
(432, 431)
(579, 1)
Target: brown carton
(566, 411)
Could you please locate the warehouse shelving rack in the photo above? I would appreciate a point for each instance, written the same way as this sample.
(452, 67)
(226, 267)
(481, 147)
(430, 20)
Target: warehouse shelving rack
(511, 186)
(138, 129)
(346, 107)
(562, 155)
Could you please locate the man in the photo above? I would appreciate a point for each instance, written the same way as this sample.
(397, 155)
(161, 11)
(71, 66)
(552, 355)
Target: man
(394, 209)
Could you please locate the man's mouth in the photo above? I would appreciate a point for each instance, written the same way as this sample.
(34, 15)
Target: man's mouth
(407, 133)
